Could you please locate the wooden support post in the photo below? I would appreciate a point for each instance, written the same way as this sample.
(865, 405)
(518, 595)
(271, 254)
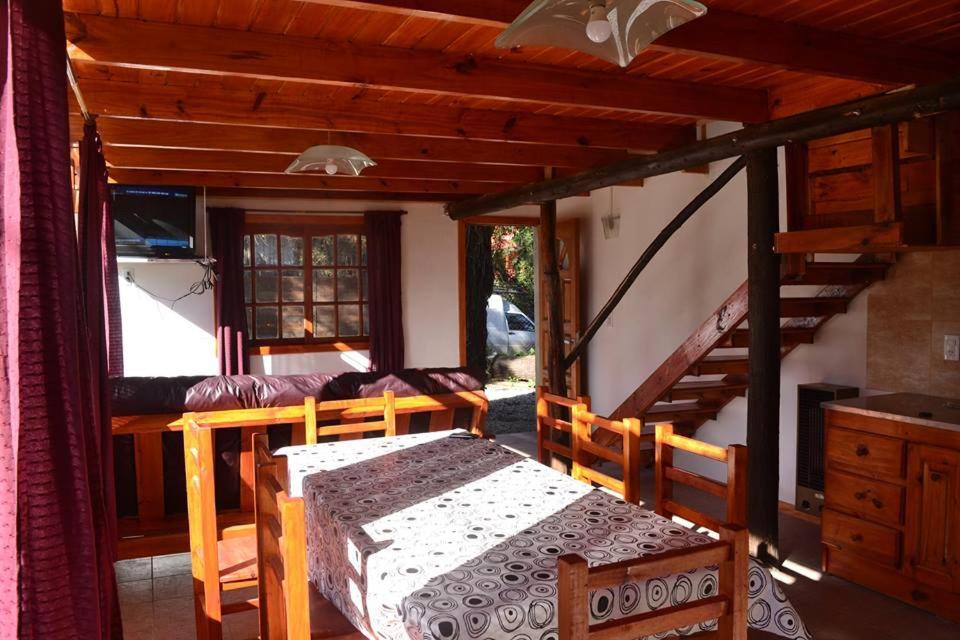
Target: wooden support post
(948, 179)
(798, 203)
(763, 314)
(553, 297)
(886, 174)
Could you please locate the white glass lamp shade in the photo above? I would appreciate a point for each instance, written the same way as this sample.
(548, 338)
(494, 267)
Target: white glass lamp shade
(331, 160)
(634, 24)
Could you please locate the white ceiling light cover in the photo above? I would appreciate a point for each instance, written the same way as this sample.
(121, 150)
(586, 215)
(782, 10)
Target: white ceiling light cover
(634, 25)
(322, 158)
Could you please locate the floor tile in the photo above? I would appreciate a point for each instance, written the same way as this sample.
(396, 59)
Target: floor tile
(135, 592)
(170, 587)
(172, 565)
(132, 570)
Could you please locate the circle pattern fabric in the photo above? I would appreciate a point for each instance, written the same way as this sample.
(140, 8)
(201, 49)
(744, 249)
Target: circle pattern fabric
(440, 536)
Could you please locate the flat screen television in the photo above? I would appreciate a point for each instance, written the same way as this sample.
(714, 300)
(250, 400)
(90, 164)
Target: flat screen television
(154, 222)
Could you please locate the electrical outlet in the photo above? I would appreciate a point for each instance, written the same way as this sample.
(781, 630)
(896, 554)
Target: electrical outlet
(951, 348)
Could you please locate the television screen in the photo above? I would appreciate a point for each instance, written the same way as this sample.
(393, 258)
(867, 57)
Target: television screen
(154, 222)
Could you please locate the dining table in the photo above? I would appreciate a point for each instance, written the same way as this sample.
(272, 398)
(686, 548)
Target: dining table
(445, 536)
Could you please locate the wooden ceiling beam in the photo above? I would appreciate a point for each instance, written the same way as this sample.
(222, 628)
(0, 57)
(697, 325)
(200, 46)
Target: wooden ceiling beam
(319, 194)
(729, 36)
(207, 103)
(193, 135)
(205, 50)
(273, 163)
(280, 181)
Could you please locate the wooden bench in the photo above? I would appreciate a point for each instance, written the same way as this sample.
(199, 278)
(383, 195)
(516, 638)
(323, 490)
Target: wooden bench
(734, 492)
(575, 581)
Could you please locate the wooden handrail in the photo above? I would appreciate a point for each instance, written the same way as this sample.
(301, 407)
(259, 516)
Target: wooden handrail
(647, 256)
(712, 332)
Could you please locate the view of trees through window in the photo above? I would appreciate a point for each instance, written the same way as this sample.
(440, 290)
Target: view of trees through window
(514, 268)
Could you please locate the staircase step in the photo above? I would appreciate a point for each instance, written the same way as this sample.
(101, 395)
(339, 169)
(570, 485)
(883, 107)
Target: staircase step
(812, 307)
(713, 389)
(714, 365)
(839, 273)
(789, 337)
(679, 412)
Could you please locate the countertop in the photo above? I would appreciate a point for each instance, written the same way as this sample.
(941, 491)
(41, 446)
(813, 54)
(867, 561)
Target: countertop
(929, 411)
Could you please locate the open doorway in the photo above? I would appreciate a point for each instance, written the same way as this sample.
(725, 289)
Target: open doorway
(499, 289)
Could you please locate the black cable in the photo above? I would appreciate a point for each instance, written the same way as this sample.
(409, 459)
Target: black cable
(207, 282)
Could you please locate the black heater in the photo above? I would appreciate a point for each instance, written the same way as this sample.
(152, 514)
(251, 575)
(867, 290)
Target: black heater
(810, 446)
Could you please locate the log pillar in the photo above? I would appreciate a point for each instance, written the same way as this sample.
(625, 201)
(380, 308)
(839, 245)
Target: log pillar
(553, 298)
(763, 399)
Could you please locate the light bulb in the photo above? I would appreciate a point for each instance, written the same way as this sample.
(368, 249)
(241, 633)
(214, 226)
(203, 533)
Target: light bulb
(598, 27)
(330, 168)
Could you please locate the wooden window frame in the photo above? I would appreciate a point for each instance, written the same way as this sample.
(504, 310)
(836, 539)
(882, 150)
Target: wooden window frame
(306, 228)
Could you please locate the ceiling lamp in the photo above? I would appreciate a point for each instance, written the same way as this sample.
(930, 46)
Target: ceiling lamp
(331, 159)
(613, 30)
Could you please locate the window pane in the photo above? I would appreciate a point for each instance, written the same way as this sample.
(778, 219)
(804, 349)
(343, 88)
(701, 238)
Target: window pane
(293, 285)
(323, 285)
(246, 251)
(347, 251)
(247, 286)
(265, 249)
(323, 251)
(366, 287)
(293, 322)
(348, 285)
(363, 250)
(250, 327)
(291, 251)
(366, 319)
(266, 323)
(323, 321)
(266, 285)
(349, 324)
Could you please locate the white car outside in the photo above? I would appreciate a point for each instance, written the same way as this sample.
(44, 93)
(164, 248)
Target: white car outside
(510, 332)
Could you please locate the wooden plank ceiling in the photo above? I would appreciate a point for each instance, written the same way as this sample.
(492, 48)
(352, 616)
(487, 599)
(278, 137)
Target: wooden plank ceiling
(225, 93)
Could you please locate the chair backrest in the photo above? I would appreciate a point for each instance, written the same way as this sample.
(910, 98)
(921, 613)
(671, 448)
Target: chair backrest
(575, 581)
(585, 426)
(283, 589)
(354, 415)
(734, 492)
(555, 414)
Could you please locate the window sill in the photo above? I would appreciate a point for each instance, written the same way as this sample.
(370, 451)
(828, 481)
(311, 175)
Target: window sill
(326, 347)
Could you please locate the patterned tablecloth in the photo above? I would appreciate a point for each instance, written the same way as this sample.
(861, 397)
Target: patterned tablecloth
(439, 536)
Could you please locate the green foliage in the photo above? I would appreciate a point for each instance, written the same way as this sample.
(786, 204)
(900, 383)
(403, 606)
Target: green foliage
(514, 267)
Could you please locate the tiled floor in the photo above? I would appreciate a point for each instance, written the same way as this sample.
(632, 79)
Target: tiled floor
(156, 600)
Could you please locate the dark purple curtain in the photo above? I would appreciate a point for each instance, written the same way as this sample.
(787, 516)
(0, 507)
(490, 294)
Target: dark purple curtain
(386, 302)
(226, 242)
(60, 572)
(98, 254)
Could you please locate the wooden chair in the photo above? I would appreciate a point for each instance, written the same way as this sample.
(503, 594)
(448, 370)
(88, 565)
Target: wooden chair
(586, 426)
(734, 492)
(575, 581)
(549, 409)
(354, 414)
(219, 563)
(290, 607)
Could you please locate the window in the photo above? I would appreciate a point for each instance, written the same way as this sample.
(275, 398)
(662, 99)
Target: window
(305, 284)
(519, 322)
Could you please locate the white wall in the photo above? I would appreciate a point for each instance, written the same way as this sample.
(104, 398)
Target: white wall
(689, 279)
(164, 339)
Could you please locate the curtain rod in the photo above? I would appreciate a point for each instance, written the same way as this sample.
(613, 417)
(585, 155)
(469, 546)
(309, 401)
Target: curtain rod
(72, 79)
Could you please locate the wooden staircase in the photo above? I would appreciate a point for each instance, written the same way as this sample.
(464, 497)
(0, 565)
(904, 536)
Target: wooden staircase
(704, 375)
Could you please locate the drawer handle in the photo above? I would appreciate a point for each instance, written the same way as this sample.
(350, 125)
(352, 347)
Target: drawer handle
(862, 451)
(935, 477)
(861, 495)
(918, 595)
(878, 503)
(857, 537)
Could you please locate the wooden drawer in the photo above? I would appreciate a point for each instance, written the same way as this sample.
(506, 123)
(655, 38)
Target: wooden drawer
(866, 539)
(869, 499)
(866, 454)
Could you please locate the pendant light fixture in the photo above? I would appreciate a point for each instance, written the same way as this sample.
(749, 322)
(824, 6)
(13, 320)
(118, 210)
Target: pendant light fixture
(613, 30)
(332, 160)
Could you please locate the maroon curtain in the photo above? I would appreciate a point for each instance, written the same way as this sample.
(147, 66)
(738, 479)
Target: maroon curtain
(226, 242)
(49, 423)
(98, 254)
(386, 302)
